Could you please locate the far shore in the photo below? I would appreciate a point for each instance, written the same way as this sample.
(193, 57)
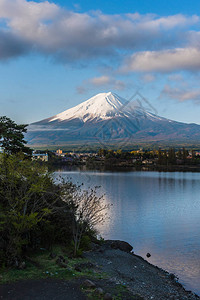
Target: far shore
(125, 168)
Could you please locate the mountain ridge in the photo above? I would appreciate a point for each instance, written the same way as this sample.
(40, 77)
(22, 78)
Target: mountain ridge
(107, 118)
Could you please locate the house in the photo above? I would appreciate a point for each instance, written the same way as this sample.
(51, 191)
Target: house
(59, 152)
(40, 156)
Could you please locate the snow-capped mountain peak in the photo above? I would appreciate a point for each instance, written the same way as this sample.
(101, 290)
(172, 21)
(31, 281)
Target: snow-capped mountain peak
(108, 119)
(101, 106)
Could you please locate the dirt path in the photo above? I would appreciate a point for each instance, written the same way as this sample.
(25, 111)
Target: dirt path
(45, 289)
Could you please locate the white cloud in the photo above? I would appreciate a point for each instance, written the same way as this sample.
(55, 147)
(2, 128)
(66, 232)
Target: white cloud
(187, 59)
(173, 21)
(180, 94)
(176, 78)
(107, 80)
(100, 80)
(103, 82)
(49, 29)
(148, 77)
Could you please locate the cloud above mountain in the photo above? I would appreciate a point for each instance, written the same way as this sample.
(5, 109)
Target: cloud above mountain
(181, 94)
(164, 61)
(67, 36)
(102, 82)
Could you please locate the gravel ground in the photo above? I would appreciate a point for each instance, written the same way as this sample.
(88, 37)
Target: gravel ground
(138, 275)
(46, 289)
(141, 279)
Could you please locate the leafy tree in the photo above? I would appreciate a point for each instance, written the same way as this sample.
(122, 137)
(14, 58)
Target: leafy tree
(37, 212)
(172, 156)
(179, 154)
(27, 195)
(12, 137)
(159, 156)
(110, 154)
(119, 153)
(165, 156)
(102, 152)
(185, 154)
(193, 155)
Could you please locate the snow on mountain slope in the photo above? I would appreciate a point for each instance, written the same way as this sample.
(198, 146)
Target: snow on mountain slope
(101, 106)
(107, 117)
(104, 106)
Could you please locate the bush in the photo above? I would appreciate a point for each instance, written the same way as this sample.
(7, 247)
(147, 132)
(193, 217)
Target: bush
(35, 212)
(27, 194)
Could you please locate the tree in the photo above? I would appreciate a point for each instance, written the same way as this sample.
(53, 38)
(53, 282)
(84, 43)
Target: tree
(193, 155)
(159, 156)
(12, 137)
(87, 210)
(179, 154)
(27, 195)
(102, 152)
(185, 154)
(37, 211)
(172, 156)
(165, 155)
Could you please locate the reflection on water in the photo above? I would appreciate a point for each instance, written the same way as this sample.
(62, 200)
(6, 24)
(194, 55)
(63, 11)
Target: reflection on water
(156, 213)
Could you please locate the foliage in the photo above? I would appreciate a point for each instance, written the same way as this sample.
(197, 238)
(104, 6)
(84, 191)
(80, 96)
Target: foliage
(35, 212)
(27, 194)
(12, 137)
(160, 157)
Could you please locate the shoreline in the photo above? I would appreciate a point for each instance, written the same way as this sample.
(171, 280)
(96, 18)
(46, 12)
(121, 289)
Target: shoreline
(111, 268)
(126, 168)
(137, 273)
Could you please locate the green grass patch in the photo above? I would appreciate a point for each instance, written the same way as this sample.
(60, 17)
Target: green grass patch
(41, 266)
(119, 292)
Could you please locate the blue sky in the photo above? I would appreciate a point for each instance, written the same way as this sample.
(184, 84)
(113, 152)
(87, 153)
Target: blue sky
(164, 7)
(56, 54)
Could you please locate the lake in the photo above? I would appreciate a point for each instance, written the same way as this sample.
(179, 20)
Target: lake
(156, 212)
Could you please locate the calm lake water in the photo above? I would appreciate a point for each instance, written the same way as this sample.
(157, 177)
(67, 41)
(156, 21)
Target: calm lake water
(156, 212)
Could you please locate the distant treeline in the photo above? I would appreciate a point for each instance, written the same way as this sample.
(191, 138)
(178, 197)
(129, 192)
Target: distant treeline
(159, 157)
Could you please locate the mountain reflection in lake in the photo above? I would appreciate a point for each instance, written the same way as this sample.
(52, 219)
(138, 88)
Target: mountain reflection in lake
(156, 212)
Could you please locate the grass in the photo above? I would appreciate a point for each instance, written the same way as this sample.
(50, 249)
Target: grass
(118, 292)
(41, 266)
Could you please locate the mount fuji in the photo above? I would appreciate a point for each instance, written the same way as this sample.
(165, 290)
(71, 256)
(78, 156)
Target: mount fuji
(107, 120)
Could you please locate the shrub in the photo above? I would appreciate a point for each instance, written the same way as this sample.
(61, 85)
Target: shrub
(35, 212)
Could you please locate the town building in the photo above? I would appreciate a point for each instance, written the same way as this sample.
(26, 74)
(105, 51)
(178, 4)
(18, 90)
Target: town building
(40, 156)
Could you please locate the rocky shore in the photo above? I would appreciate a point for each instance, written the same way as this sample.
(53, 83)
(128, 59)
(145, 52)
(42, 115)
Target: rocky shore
(140, 277)
(110, 271)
